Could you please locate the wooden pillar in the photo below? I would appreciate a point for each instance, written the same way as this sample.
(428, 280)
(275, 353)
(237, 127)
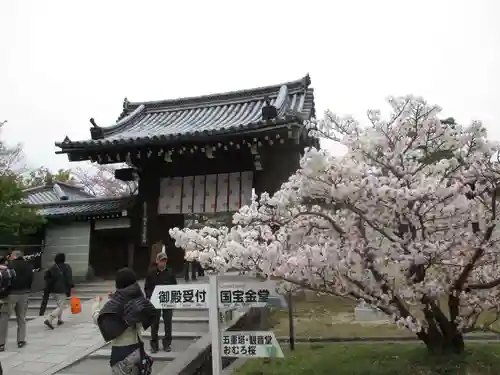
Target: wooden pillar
(130, 255)
(149, 229)
(155, 249)
(175, 254)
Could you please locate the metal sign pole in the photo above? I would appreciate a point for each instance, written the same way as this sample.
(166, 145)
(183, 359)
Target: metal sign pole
(214, 323)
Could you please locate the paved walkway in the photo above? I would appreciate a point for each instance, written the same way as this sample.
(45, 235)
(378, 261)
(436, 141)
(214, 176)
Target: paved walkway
(49, 351)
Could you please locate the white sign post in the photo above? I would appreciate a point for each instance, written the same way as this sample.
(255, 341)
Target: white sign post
(225, 296)
(214, 324)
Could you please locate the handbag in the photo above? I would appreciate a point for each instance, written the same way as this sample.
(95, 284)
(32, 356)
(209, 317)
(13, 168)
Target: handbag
(146, 363)
(76, 305)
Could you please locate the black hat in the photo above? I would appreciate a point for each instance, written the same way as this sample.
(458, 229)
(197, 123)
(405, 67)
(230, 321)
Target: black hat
(124, 278)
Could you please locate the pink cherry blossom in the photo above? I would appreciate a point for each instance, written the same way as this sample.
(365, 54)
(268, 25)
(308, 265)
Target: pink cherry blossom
(405, 221)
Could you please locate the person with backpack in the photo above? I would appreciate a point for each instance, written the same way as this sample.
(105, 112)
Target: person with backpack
(7, 277)
(58, 283)
(120, 321)
(17, 300)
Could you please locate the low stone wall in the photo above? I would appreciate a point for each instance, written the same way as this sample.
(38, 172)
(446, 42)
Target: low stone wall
(197, 359)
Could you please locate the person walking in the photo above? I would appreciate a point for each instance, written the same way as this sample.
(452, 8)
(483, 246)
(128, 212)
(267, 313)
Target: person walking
(7, 277)
(58, 282)
(160, 275)
(120, 321)
(190, 267)
(18, 297)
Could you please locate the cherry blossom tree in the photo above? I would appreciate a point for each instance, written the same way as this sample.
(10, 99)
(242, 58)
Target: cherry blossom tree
(100, 180)
(405, 221)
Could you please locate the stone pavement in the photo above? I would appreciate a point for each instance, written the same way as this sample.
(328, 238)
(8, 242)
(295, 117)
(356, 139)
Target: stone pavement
(49, 351)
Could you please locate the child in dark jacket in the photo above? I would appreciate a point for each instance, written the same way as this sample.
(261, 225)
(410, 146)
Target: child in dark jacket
(160, 275)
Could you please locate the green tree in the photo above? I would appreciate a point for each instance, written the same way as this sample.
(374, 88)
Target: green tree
(43, 176)
(15, 218)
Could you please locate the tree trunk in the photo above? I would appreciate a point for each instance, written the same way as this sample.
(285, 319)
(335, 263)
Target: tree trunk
(442, 335)
(440, 344)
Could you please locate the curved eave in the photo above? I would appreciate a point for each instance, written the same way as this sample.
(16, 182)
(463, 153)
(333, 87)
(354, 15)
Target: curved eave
(84, 207)
(259, 127)
(136, 112)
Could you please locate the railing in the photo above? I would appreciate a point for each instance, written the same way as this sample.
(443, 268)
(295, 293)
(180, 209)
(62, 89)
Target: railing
(198, 357)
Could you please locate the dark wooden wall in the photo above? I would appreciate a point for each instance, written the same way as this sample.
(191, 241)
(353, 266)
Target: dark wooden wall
(278, 161)
(108, 251)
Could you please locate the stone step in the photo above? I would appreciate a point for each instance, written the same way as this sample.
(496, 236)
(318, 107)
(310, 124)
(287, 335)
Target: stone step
(32, 306)
(160, 356)
(175, 335)
(100, 366)
(200, 328)
(175, 319)
(179, 345)
(37, 298)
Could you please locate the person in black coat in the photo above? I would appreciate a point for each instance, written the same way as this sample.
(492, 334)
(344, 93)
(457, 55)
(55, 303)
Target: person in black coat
(58, 283)
(18, 297)
(160, 275)
(120, 320)
(7, 277)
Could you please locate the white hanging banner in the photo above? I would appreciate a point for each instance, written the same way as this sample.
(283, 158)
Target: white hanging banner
(187, 195)
(165, 199)
(222, 192)
(176, 203)
(199, 194)
(225, 192)
(246, 188)
(234, 191)
(210, 193)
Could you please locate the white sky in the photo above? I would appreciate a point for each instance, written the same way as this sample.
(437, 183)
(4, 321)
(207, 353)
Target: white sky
(62, 62)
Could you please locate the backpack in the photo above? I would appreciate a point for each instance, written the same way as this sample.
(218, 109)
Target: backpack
(7, 276)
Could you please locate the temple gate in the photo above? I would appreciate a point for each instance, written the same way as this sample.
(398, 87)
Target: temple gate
(199, 155)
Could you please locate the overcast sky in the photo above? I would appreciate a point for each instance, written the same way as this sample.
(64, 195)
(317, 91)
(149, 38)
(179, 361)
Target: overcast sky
(62, 62)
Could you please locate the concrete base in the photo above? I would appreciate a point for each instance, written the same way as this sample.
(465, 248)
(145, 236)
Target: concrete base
(368, 314)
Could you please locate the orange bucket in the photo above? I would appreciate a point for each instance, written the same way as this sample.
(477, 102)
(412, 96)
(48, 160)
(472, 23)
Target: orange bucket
(76, 305)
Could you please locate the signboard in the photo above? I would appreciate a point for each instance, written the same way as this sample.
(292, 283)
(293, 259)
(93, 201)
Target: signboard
(187, 296)
(144, 224)
(240, 294)
(215, 296)
(250, 344)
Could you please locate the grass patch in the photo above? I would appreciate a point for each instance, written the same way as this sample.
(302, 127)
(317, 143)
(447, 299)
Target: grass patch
(329, 316)
(382, 359)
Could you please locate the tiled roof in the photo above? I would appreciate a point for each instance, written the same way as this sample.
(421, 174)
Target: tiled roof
(55, 192)
(218, 114)
(93, 206)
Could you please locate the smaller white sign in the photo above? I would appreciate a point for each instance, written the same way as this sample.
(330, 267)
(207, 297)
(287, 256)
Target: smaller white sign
(190, 296)
(250, 344)
(254, 294)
